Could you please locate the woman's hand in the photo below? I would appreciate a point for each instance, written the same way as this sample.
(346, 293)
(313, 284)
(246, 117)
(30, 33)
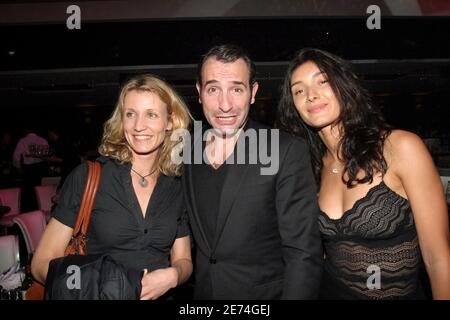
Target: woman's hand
(158, 282)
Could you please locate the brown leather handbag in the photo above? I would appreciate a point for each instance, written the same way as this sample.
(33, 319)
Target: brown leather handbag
(77, 244)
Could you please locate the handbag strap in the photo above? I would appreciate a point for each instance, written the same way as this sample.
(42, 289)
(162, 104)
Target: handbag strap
(87, 201)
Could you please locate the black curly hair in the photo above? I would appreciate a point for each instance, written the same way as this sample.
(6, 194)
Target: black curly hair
(364, 128)
(227, 53)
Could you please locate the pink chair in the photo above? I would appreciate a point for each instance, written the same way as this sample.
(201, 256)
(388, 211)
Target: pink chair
(11, 198)
(9, 252)
(32, 224)
(50, 181)
(44, 195)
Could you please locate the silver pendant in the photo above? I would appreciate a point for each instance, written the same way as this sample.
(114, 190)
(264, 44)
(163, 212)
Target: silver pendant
(334, 170)
(143, 182)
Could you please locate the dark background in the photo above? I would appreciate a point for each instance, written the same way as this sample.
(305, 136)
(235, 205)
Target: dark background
(53, 76)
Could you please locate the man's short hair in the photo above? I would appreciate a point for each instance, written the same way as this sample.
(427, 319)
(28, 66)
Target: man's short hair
(227, 53)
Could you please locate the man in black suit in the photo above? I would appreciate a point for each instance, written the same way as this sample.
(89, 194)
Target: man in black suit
(251, 195)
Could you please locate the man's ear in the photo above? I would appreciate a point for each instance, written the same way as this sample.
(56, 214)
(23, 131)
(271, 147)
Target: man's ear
(255, 87)
(199, 89)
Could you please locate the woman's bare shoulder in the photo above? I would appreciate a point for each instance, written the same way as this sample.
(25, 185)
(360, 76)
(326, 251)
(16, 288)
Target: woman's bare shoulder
(404, 143)
(405, 152)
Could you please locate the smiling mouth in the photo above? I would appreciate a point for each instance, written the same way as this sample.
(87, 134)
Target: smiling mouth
(317, 108)
(141, 138)
(226, 119)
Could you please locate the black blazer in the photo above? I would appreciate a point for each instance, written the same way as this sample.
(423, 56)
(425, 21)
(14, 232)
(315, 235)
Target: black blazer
(267, 243)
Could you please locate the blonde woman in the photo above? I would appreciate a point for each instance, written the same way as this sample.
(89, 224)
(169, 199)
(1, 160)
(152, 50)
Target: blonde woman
(138, 216)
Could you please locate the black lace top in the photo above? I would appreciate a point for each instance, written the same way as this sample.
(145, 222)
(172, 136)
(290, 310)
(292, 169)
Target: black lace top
(372, 251)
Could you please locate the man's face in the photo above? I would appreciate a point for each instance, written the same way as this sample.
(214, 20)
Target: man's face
(226, 94)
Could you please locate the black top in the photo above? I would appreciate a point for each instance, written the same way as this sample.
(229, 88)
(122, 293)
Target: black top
(208, 188)
(117, 226)
(375, 242)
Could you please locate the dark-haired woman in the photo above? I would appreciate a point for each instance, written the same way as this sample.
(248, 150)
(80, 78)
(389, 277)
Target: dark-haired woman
(383, 209)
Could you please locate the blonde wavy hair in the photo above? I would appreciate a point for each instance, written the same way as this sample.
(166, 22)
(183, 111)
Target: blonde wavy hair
(114, 143)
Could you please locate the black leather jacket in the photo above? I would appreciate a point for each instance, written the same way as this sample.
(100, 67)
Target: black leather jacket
(91, 277)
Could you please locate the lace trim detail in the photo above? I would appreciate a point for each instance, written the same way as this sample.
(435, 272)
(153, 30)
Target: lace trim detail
(398, 265)
(382, 217)
(380, 214)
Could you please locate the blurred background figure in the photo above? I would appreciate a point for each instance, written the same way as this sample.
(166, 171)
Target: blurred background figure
(30, 157)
